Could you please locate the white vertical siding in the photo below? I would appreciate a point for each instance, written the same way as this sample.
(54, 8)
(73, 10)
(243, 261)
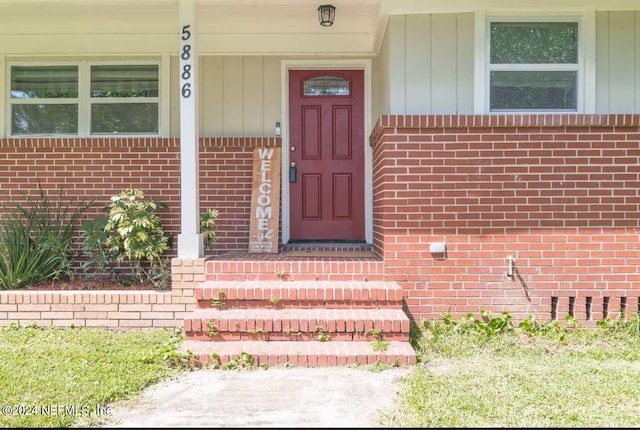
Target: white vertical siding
(637, 44)
(240, 96)
(618, 62)
(397, 65)
(271, 95)
(418, 77)
(622, 61)
(443, 63)
(211, 97)
(232, 97)
(602, 63)
(429, 65)
(2, 96)
(252, 103)
(465, 63)
(381, 87)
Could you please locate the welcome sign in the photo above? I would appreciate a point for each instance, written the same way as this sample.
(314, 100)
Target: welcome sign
(265, 201)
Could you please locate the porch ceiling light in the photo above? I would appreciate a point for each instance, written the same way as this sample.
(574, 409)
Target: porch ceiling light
(326, 14)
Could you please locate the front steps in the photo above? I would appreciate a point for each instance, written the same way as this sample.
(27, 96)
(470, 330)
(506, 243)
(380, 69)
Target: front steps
(309, 321)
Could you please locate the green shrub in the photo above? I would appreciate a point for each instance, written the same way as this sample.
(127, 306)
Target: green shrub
(135, 234)
(94, 238)
(132, 232)
(207, 221)
(36, 240)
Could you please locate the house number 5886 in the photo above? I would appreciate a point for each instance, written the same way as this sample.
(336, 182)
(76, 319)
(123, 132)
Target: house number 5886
(186, 69)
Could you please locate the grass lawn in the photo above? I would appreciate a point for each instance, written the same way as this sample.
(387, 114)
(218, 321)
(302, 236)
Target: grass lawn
(472, 372)
(488, 373)
(52, 377)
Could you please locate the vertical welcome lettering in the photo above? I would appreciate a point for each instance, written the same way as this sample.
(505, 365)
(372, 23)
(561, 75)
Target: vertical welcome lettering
(265, 201)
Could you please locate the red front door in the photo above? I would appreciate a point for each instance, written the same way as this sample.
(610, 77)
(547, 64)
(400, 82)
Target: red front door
(326, 143)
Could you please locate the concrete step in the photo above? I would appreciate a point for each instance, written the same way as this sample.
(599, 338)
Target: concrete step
(294, 324)
(281, 294)
(303, 354)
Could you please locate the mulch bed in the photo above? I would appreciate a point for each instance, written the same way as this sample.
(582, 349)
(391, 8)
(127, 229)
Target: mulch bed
(91, 284)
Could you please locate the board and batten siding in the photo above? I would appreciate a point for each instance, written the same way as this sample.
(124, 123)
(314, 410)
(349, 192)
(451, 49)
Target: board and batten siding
(239, 96)
(426, 65)
(618, 62)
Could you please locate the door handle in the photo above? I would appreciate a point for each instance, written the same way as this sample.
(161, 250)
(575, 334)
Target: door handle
(293, 172)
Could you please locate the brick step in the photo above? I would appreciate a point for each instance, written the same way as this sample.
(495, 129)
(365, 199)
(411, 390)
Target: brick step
(297, 324)
(303, 354)
(241, 266)
(281, 294)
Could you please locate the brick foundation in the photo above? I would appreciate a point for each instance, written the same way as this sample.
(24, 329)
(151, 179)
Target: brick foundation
(558, 192)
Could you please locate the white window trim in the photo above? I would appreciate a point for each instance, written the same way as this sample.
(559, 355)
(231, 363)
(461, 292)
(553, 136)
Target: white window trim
(585, 86)
(84, 101)
(122, 100)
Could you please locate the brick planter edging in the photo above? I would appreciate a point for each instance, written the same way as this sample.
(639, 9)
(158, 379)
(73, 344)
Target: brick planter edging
(132, 309)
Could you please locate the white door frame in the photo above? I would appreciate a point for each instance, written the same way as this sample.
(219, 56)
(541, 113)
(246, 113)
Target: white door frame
(330, 64)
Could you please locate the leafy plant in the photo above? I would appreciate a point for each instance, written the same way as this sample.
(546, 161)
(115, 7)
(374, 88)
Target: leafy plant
(380, 345)
(621, 327)
(219, 302)
(244, 361)
(374, 333)
(135, 234)
(207, 221)
(94, 238)
(322, 335)
(36, 239)
(212, 330)
(551, 329)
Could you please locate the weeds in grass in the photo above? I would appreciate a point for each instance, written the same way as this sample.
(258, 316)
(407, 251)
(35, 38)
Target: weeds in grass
(487, 372)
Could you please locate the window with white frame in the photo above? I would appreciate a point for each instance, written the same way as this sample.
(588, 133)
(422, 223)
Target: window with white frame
(75, 99)
(533, 66)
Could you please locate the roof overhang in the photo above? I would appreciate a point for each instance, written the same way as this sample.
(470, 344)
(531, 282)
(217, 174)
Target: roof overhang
(231, 27)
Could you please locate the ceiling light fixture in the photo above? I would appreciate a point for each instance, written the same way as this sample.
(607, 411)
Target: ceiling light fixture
(326, 14)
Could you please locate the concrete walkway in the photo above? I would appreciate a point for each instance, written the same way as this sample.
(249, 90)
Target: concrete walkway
(275, 397)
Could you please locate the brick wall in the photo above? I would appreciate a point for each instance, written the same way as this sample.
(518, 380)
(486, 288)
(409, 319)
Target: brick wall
(560, 193)
(95, 309)
(87, 168)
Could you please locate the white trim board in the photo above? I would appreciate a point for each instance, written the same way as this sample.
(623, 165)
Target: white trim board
(336, 64)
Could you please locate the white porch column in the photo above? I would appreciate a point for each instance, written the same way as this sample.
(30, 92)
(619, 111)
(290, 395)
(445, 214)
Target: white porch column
(190, 241)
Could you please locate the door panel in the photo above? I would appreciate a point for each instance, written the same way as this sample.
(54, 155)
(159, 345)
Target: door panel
(327, 146)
